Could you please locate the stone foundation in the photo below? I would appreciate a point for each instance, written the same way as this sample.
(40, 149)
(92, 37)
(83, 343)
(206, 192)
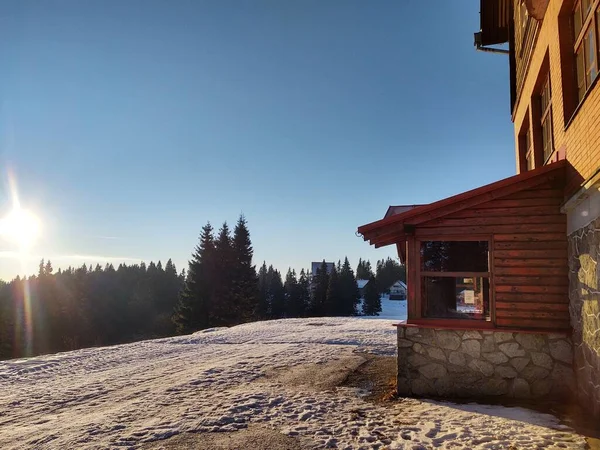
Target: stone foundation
(584, 296)
(457, 363)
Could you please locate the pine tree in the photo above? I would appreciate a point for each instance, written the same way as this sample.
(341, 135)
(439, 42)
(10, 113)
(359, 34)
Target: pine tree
(363, 270)
(293, 295)
(262, 309)
(245, 290)
(372, 301)
(276, 294)
(333, 305)
(349, 290)
(222, 307)
(304, 292)
(319, 285)
(192, 311)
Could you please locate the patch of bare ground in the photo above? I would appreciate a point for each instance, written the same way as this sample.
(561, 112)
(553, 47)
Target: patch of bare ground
(253, 437)
(319, 377)
(376, 377)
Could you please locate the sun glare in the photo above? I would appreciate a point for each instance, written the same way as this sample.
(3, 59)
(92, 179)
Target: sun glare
(20, 227)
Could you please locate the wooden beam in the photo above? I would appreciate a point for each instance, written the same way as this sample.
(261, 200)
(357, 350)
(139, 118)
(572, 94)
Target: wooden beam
(523, 229)
(560, 297)
(541, 237)
(547, 289)
(510, 244)
(504, 203)
(527, 306)
(556, 315)
(530, 280)
(532, 253)
(495, 220)
(531, 262)
(524, 271)
(495, 211)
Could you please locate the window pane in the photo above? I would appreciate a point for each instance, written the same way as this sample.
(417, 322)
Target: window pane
(585, 7)
(530, 161)
(456, 298)
(454, 256)
(545, 96)
(580, 73)
(547, 136)
(590, 56)
(524, 16)
(577, 21)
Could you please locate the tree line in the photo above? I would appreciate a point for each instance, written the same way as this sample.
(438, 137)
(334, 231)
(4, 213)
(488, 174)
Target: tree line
(85, 306)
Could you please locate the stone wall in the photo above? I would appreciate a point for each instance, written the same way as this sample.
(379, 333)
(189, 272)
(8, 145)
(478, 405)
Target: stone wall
(456, 363)
(584, 296)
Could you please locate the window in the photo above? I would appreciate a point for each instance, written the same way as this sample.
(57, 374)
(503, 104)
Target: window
(586, 16)
(546, 119)
(529, 156)
(454, 278)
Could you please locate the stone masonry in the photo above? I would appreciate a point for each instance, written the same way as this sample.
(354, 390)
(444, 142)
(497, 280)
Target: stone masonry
(584, 297)
(457, 363)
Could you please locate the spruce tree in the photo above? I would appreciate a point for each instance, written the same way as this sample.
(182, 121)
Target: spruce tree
(363, 270)
(372, 300)
(262, 308)
(304, 292)
(192, 311)
(276, 294)
(245, 290)
(293, 295)
(333, 301)
(319, 285)
(224, 310)
(349, 290)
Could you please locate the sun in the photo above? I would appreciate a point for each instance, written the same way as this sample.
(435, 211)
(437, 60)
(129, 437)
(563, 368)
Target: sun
(20, 227)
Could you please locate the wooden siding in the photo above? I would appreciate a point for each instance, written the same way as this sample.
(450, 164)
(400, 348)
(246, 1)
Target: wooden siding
(529, 248)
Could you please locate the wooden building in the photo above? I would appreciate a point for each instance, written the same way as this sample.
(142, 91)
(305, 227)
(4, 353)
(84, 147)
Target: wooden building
(515, 237)
(498, 275)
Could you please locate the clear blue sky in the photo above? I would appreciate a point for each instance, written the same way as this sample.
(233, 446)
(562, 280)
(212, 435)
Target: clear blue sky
(129, 124)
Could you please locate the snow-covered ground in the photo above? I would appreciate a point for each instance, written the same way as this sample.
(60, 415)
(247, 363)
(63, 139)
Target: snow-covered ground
(225, 379)
(391, 309)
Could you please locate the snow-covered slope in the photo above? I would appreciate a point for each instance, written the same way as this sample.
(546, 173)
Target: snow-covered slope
(223, 379)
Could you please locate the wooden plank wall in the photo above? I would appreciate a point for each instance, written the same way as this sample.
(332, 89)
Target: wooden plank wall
(529, 249)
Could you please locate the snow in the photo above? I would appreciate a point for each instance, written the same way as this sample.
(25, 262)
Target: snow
(224, 379)
(391, 310)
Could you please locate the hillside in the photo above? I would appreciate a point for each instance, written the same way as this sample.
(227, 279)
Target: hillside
(285, 376)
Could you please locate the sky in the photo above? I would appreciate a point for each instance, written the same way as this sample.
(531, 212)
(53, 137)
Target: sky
(127, 125)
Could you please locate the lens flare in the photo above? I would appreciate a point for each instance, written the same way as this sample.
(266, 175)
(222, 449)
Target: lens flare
(20, 227)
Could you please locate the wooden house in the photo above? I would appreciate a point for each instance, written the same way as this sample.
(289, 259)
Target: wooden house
(505, 242)
(504, 280)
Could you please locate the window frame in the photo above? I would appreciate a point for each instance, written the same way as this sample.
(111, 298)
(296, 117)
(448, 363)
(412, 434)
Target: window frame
(546, 119)
(419, 274)
(587, 24)
(529, 154)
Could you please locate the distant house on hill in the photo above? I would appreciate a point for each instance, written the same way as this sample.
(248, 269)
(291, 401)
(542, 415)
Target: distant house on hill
(398, 291)
(314, 266)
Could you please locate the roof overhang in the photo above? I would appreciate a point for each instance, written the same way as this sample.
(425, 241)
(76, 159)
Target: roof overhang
(494, 20)
(395, 229)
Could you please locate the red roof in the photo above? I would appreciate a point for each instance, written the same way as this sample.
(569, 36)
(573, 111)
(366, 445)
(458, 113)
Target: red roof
(441, 208)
